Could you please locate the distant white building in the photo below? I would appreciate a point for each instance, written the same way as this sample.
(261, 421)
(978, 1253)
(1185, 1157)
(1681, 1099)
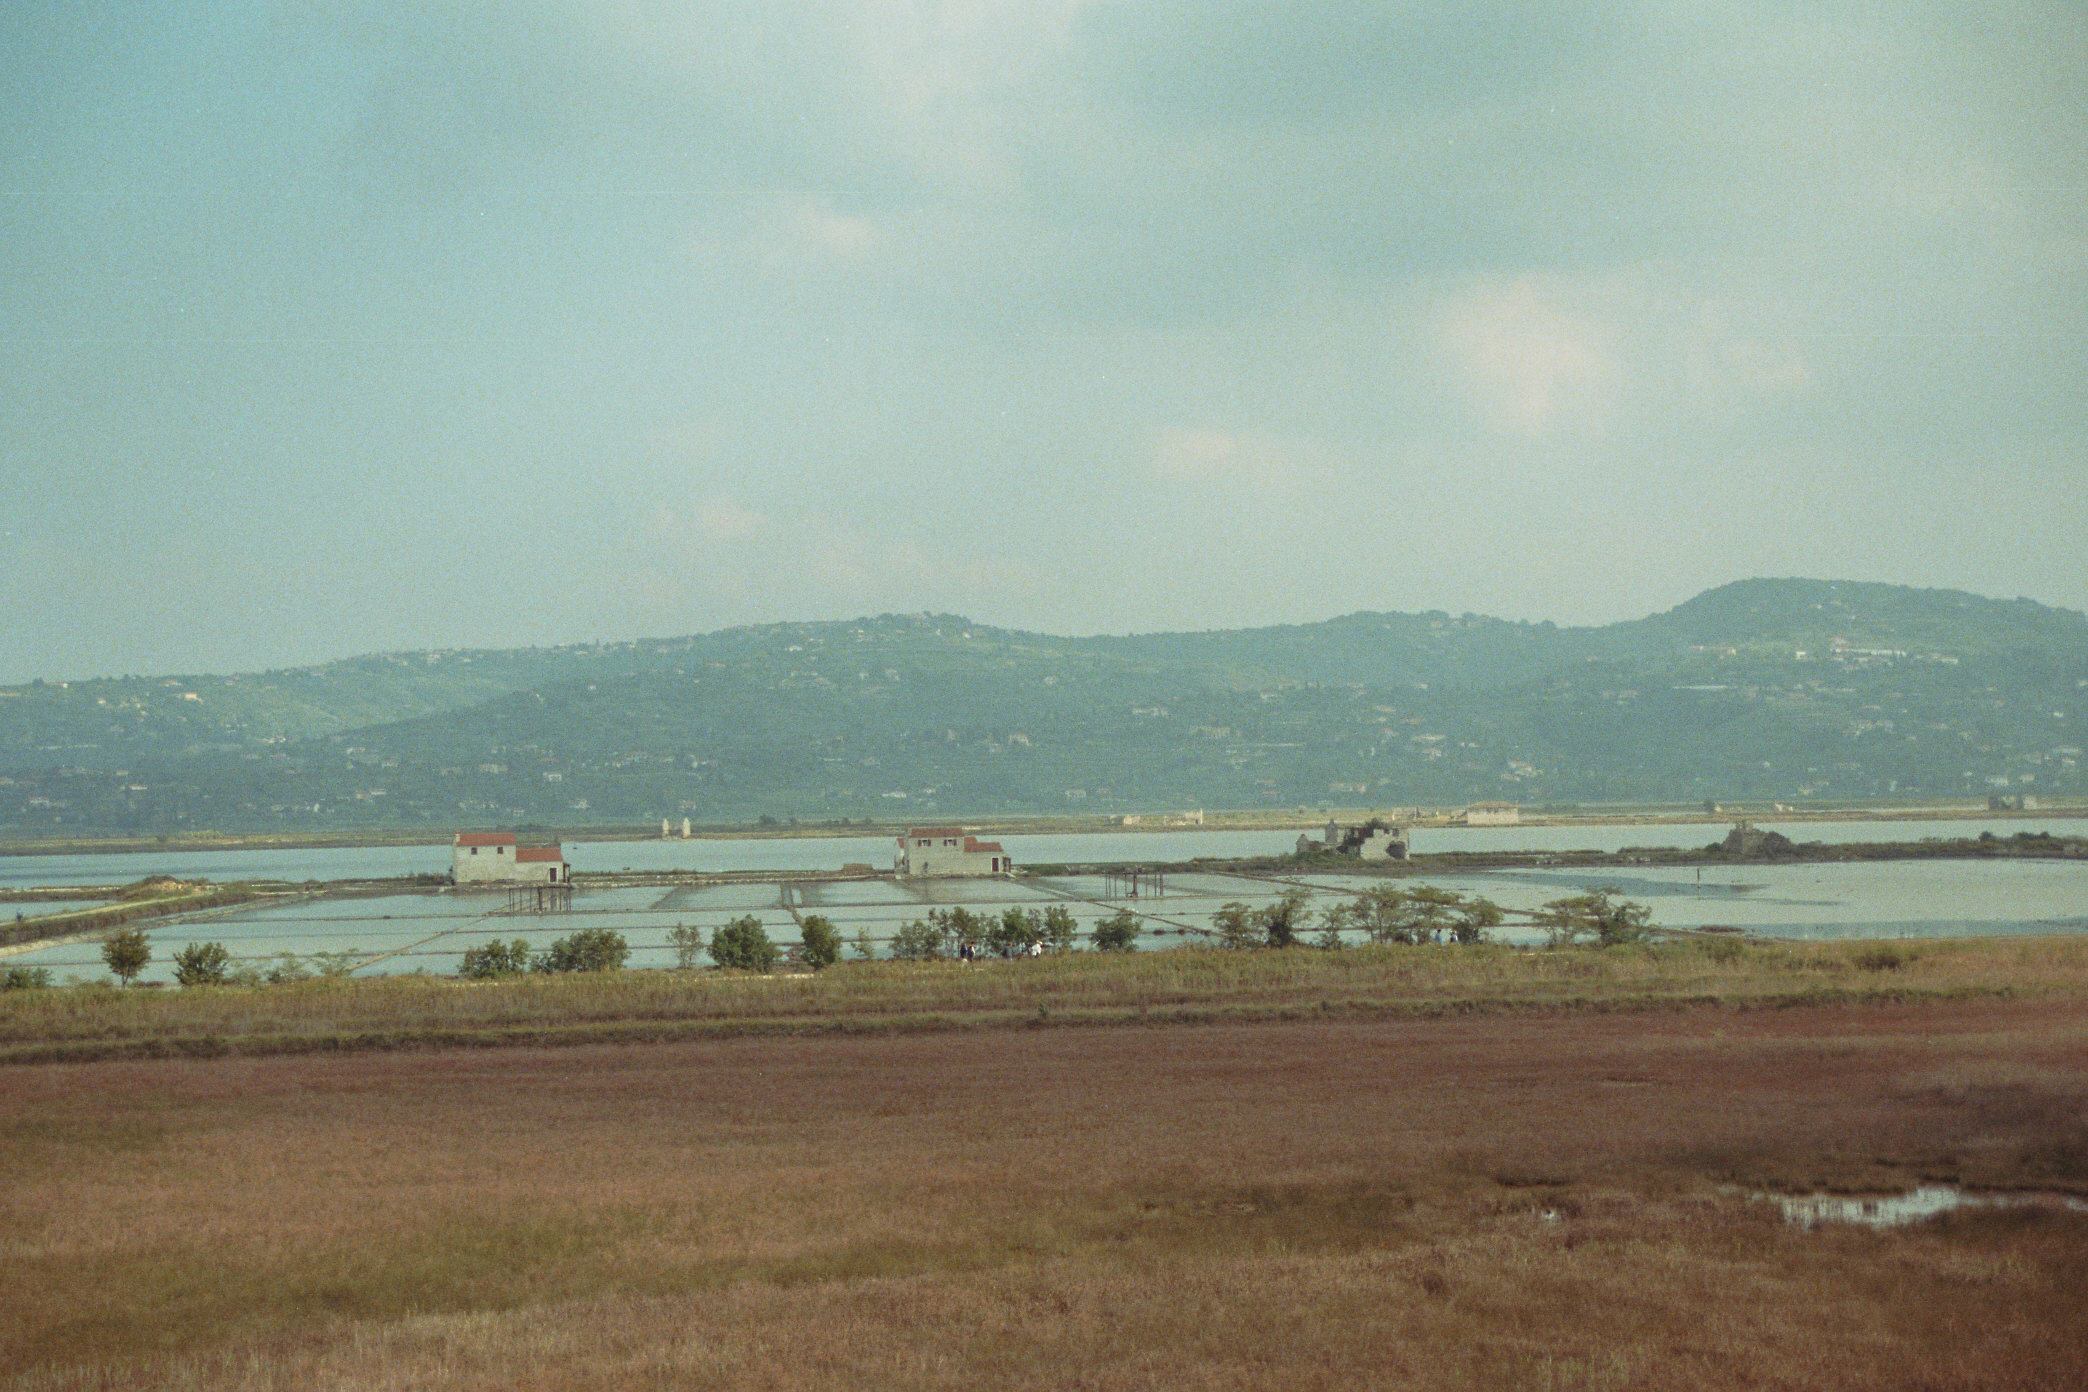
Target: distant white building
(1491, 814)
(494, 857)
(935, 852)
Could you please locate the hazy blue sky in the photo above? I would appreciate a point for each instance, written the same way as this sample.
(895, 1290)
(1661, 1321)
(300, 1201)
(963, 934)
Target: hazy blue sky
(326, 329)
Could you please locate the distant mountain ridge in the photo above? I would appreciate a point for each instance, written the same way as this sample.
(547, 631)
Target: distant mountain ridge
(1772, 687)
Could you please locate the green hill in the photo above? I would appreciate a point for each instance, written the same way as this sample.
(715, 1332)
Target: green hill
(1791, 689)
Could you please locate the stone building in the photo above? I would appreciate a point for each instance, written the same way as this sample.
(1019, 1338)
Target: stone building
(1371, 840)
(495, 857)
(937, 852)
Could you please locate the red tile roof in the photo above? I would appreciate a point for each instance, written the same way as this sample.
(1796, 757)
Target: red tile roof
(485, 838)
(540, 853)
(972, 843)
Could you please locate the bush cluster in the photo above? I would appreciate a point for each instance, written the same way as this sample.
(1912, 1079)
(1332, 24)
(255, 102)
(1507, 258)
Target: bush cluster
(590, 949)
(495, 958)
(1382, 914)
(744, 944)
(1014, 933)
(1606, 920)
(202, 964)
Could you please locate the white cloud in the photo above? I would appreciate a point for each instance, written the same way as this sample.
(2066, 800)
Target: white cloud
(721, 519)
(806, 232)
(1530, 364)
(1266, 463)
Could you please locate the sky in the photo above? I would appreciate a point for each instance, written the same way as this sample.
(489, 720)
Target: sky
(363, 327)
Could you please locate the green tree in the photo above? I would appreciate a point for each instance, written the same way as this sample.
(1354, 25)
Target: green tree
(589, 950)
(1610, 921)
(1378, 913)
(1015, 932)
(1429, 910)
(25, 979)
(687, 943)
(1474, 920)
(1237, 927)
(1118, 932)
(744, 944)
(863, 945)
(1386, 914)
(1271, 925)
(961, 928)
(127, 951)
(495, 958)
(202, 964)
(1282, 921)
(1061, 930)
(822, 941)
(918, 941)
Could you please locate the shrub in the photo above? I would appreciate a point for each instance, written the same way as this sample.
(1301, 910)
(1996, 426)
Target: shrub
(1281, 921)
(25, 979)
(687, 943)
(919, 941)
(862, 945)
(287, 968)
(822, 941)
(334, 965)
(1117, 933)
(744, 943)
(1474, 919)
(590, 949)
(1610, 922)
(495, 958)
(127, 951)
(1015, 932)
(1272, 925)
(202, 964)
(1237, 927)
(1882, 958)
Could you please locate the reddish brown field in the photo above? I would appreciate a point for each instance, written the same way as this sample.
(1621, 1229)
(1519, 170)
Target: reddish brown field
(1492, 1202)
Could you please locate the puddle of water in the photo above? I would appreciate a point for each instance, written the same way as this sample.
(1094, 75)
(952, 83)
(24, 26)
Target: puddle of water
(1899, 1210)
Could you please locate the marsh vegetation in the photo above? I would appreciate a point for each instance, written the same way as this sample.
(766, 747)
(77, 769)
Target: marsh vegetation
(1530, 1200)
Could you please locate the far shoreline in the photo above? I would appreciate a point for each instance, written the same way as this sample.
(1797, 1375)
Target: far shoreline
(1004, 825)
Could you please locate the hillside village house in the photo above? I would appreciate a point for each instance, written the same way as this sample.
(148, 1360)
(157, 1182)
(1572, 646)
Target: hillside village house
(494, 857)
(1491, 814)
(936, 852)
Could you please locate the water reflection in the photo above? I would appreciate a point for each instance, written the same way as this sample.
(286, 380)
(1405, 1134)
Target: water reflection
(1899, 1210)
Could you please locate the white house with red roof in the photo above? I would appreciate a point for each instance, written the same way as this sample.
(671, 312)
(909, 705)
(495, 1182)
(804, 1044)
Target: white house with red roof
(495, 857)
(936, 852)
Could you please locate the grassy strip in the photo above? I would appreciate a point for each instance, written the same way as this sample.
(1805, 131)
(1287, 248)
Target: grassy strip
(1180, 986)
(109, 917)
(682, 1031)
